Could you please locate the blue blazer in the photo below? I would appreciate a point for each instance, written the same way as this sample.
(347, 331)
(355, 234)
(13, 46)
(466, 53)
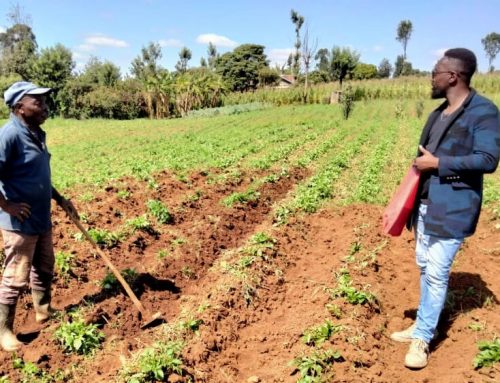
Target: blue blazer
(468, 147)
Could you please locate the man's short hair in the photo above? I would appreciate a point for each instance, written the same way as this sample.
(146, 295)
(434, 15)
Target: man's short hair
(468, 61)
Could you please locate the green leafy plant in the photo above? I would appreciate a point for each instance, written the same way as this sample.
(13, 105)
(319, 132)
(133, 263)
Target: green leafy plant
(77, 337)
(160, 212)
(312, 368)
(64, 262)
(110, 283)
(243, 197)
(349, 292)
(316, 335)
(123, 194)
(335, 310)
(4, 379)
(156, 363)
(140, 223)
(101, 237)
(31, 373)
(489, 353)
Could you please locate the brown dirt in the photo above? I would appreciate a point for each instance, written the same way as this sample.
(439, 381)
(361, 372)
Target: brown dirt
(255, 340)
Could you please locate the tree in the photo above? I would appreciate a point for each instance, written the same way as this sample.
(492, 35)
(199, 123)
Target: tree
(101, 73)
(342, 63)
(17, 50)
(405, 28)
(323, 61)
(402, 67)
(240, 68)
(364, 71)
(308, 51)
(184, 57)
(53, 69)
(384, 69)
(297, 20)
(491, 45)
(268, 76)
(212, 55)
(146, 64)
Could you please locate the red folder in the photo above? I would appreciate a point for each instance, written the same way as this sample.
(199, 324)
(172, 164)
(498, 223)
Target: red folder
(399, 209)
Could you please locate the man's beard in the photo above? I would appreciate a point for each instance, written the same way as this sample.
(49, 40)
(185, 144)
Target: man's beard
(437, 93)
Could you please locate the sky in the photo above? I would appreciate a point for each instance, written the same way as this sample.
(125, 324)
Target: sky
(116, 30)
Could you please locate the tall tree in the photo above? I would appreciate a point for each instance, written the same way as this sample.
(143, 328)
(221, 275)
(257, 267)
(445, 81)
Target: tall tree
(384, 69)
(53, 69)
(322, 59)
(402, 67)
(308, 51)
(212, 55)
(403, 34)
(297, 20)
(17, 50)
(101, 73)
(146, 64)
(184, 56)
(491, 44)
(240, 68)
(342, 63)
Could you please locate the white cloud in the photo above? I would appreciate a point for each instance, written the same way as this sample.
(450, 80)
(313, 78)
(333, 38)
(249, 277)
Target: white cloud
(85, 48)
(101, 40)
(378, 48)
(438, 53)
(278, 55)
(2, 30)
(170, 43)
(218, 41)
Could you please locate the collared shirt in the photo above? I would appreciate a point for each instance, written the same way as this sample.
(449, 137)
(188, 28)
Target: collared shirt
(25, 176)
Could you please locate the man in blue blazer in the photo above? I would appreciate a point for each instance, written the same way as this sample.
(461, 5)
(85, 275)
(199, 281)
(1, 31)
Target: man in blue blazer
(459, 143)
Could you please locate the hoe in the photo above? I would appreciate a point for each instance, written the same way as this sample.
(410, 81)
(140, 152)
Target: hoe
(147, 318)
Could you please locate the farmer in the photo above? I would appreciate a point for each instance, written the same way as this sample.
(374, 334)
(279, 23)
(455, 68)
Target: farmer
(459, 143)
(25, 195)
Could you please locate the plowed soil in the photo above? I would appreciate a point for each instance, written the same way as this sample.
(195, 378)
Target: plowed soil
(252, 336)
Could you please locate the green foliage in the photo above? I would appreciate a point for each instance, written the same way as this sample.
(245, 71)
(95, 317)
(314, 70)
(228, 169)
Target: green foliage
(402, 67)
(110, 283)
(364, 71)
(31, 373)
(64, 263)
(346, 290)
(489, 353)
(103, 237)
(242, 197)
(491, 44)
(100, 73)
(384, 69)
(314, 368)
(240, 68)
(78, 337)
(343, 61)
(347, 102)
(4, 379)
(17, 51)
(156, 363)
(317, 335)
(160, 212)
(403, 34)
(140, 223)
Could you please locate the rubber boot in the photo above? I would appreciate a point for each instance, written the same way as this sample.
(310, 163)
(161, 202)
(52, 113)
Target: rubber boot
(8, 339)
(41, 302)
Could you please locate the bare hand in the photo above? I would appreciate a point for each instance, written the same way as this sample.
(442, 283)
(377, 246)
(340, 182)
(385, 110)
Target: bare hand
(69, 208)
(20, 210)
(427, 161)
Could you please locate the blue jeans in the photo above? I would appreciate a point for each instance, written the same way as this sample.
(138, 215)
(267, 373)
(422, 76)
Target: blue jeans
(434, 257)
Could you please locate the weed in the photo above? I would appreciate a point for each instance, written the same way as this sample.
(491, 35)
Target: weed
(178, 241)
(140, 223)
(419, 108)
(335, 310)
(347, 101)
(33, 374)
(156, 363)
(244, 197)
(102, 237)
(349, 292)
(78, 337)
(489, 353)
(313, 367)
(475, 326)
(64, 263)
(110, 283)
(192, 325)
(86, 197)
(163, 253)
(4, 379)
(123, 194)
(187, 272)
(317, 335)
(160, 212)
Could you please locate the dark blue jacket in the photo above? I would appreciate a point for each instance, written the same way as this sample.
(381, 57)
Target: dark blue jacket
(467, 148)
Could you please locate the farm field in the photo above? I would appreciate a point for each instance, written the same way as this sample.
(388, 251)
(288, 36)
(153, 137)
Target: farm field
(257, 235)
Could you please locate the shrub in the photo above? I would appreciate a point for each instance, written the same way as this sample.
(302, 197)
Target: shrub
(160, 212)
(78, 337)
